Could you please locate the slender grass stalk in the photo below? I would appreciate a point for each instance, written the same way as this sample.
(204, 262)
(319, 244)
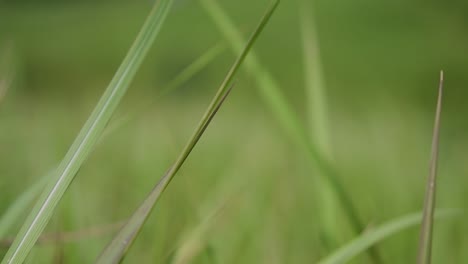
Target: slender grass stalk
(315, 85)
(425, 238)
(88, 136)
(117, 248)
(366, 240)
(318, 124)
(272, 95)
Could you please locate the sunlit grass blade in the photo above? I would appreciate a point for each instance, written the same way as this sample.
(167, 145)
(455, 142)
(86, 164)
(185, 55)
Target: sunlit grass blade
(117, 248)
(16, 209)
(372, 237)
(88, 136)
(315, 84)
(271, 93)
(425, 237)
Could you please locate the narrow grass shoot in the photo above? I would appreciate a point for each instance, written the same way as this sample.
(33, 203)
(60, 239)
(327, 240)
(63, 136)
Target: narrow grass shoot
(118, 247)
(368, 239)
(316, 103)
(88, 136)
(425, 238)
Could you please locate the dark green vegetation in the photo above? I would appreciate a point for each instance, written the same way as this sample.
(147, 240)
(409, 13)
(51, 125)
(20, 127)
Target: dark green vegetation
(248, 193)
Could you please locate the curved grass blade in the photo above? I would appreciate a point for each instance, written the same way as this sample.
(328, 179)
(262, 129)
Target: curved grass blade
(88, 136)
(271, 93)
(117, 248)
(15, 211)
(425, 238)
(370, 238)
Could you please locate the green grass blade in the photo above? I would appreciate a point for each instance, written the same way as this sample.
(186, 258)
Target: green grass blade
(425, 238)
(314, 80)
(370, 238)
(16, 210)
(271, 93)
(88, 136)
(117, 248)
(316, 104)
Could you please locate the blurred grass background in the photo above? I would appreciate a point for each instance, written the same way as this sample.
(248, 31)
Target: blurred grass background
(380, 63)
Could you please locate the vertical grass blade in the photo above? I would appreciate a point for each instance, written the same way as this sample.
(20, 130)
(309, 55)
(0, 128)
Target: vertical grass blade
(88, 136)
(316, 104)
(272, 95)
(366, 240)
(425, 237)
(314, 80)
(117, 248)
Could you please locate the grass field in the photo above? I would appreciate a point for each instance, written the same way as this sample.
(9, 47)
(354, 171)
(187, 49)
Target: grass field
(250, 192)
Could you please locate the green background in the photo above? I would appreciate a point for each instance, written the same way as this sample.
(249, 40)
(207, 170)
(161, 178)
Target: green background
(380, 62)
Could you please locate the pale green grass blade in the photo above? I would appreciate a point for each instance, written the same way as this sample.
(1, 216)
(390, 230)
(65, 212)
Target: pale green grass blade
(315, 84)
(117, 248)
(88, 136)
(271, 93)
(14, 212)
(425, 238)
(316, 103)
(372, 237)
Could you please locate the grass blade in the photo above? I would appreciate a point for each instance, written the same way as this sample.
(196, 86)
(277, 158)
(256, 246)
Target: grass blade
(425, 238)
(370, 238)
(271, 93)
(117, 248)
(318, 124)
(88, 136)
(314, 80)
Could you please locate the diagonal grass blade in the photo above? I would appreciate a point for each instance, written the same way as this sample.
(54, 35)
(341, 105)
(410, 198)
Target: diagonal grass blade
(88, 136)
(117, 248)
(366, 240)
